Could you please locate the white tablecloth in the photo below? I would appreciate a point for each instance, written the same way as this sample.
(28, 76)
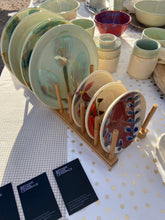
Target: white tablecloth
(34, 140)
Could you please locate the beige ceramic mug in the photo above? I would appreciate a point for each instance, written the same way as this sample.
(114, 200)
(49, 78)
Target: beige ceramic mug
(144, 58)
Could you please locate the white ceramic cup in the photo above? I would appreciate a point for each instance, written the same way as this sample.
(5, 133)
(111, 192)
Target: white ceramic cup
(144, 58)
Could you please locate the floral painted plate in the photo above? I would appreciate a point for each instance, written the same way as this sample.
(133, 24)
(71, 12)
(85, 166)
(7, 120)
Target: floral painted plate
(86, 91)
(30, 42)
(18, 38)
(126, 114)
(8, 31)
(100, 102)
(63, 55)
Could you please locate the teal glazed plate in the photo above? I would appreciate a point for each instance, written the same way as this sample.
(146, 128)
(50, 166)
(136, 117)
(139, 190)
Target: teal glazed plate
(19, 36)
(30, 42)
(9, 29)
(126, 114)
(63, 55)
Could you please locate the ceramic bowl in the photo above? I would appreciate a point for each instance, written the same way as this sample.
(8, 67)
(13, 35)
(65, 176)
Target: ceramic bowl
(100, 102)
(155, 33)
(150, 13)
(160, 150)
(86, 90)
(66, 8)
(85, 23)
(113, 22)
(126, 114)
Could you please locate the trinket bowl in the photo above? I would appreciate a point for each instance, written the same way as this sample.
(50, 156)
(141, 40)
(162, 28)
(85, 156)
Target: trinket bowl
(113, 22)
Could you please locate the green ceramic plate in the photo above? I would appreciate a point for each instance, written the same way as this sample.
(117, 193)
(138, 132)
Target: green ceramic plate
(30, 42)
(63, 55)
(8, 30)
(19, 36)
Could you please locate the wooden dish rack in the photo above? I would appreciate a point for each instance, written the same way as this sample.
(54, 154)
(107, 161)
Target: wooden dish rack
(66, 116)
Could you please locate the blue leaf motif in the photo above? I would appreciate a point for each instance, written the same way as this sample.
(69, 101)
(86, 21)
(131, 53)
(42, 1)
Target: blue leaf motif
(129, 99)
(109, 137)
(135, 129)
(105, 132)
(107, 122)
(121, 142)
(129, 105)
(130, 112)
(137, 111)
(128, 129)
(129, 138)
(136, 97)
(137, 103)
(137, 120)
(130, 120)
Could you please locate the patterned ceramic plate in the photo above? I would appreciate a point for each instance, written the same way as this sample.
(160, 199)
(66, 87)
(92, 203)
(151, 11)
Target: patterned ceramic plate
(100, 102)
(18, 38)
(30, 42)
(8, 30)
(86, 90)
(126, 114)
(64, 55)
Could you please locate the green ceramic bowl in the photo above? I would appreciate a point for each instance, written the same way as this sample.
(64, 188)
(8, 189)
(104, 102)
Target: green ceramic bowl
(155, 33)
(66, 8)
(150, 13)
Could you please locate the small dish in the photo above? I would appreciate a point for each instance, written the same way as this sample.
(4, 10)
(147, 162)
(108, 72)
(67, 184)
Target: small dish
(100, 102)
(126, 114)
(86, 90)
(9, 29)
(70, 51)
(18, 38)
(66, 8)
(30, 42)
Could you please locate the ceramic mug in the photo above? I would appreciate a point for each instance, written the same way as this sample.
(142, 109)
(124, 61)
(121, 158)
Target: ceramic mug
(144, 58)
(86, 24)
(157, 34)
(108, 47)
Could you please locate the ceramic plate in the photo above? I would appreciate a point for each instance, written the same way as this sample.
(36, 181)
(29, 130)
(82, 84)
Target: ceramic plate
(64, 55)
(126, 114)
(19, 35)
(8, 30)
(100, 103)
(86, 91)
(30, 42)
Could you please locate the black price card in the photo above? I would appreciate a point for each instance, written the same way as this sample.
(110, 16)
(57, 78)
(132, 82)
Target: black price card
(74, 185)
(37, 199)
(8, 207)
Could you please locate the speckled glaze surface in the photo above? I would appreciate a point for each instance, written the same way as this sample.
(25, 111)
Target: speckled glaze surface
(70, 51)
(99, 103)
(30, 42)
(9, 29)
(126, 114)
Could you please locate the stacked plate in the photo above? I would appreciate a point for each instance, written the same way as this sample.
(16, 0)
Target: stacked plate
(116, 108)
(41, 48)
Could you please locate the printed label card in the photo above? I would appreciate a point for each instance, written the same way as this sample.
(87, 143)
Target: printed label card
(74, 185)
(37, 199)
(8, 207)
